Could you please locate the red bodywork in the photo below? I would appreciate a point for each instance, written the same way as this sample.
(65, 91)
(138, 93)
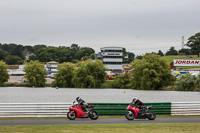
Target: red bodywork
(79, 112)
(134, 109)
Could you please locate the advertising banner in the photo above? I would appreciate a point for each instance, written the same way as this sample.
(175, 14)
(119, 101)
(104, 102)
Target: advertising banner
(179, 62)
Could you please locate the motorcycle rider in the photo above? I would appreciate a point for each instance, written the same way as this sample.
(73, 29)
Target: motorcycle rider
(140, 104)
(83, 104)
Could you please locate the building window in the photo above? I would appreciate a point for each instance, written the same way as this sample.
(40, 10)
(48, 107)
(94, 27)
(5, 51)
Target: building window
(112, 63)
(119, 57)
(112, 50)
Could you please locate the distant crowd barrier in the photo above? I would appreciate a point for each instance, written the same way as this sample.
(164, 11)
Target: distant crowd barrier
(104, 109)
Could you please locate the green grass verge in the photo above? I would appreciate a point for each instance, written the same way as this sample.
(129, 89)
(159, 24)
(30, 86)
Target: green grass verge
(107, 84)
(106, 128)
(19, 85)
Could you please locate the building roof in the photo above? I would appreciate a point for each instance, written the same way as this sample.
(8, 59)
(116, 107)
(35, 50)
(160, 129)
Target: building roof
(191, 69)
(13, 66)
(53, 62)
(111, 48)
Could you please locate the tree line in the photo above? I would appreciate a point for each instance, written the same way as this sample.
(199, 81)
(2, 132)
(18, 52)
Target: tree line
(17, 54)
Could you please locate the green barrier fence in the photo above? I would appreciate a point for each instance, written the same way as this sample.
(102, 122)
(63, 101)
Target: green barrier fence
(117, 109)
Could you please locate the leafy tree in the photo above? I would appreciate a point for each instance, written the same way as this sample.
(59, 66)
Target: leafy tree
(89, 74)
(17, 50)
(131, 55)
(92, 56)
(124, 53)
(13, 59)
(130, 58)
(197, 82)
(185, 51)
(44, 55)
(84, 51)
(160, 53)
(64, 54)
(75, 48)
(64, 76)
(28, 51)
(35, 73)
(123, 81)
(32, 57)
(6, 47)
(152, 72)
(194, 43)
(3, 72)
(171, 51)
(2, 54)
(39, 46)
(59, 54)
(185, 83)
(139, 57)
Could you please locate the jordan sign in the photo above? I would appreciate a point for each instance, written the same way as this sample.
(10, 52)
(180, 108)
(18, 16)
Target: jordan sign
(186, 62)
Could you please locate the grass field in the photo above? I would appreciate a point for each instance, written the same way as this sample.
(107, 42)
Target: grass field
(105, 128)
(170, 58)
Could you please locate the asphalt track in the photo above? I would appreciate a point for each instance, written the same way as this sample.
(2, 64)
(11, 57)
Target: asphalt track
(99, 121)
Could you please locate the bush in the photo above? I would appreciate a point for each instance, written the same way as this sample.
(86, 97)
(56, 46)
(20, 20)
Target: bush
(107, 84)
(3, 73)
(123, 81)
(14, 85)
(186, 82)
(64, 76)
(152, 72)
(35, 73)
(197, 82)
(89, 74)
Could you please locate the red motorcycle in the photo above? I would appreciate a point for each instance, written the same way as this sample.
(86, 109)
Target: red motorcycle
(134, 112)
(75, 111)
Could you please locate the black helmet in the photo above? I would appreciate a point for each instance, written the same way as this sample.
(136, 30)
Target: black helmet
(78, 99)
(134, 99)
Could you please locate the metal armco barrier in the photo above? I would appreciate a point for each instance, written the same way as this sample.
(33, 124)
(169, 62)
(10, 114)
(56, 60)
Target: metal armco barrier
(34, 109)
(61, 109)
(109, 109)
(185, 108)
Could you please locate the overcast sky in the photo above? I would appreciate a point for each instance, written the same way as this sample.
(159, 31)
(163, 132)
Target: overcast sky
(140, 26)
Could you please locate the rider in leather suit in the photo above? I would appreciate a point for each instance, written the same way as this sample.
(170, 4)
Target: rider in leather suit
(83, 104)
(140, 104)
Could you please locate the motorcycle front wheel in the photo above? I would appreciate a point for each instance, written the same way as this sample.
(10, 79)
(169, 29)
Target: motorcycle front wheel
(151, 115)
(71, 116)
(93, 115)
(130, 115)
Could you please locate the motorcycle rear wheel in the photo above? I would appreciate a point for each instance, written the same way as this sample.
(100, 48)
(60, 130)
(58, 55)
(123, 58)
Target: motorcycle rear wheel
(151, 115)
(130, 115)
(71, 116)
(93, 115)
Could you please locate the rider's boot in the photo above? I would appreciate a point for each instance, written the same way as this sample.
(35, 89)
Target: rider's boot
(86, 110)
